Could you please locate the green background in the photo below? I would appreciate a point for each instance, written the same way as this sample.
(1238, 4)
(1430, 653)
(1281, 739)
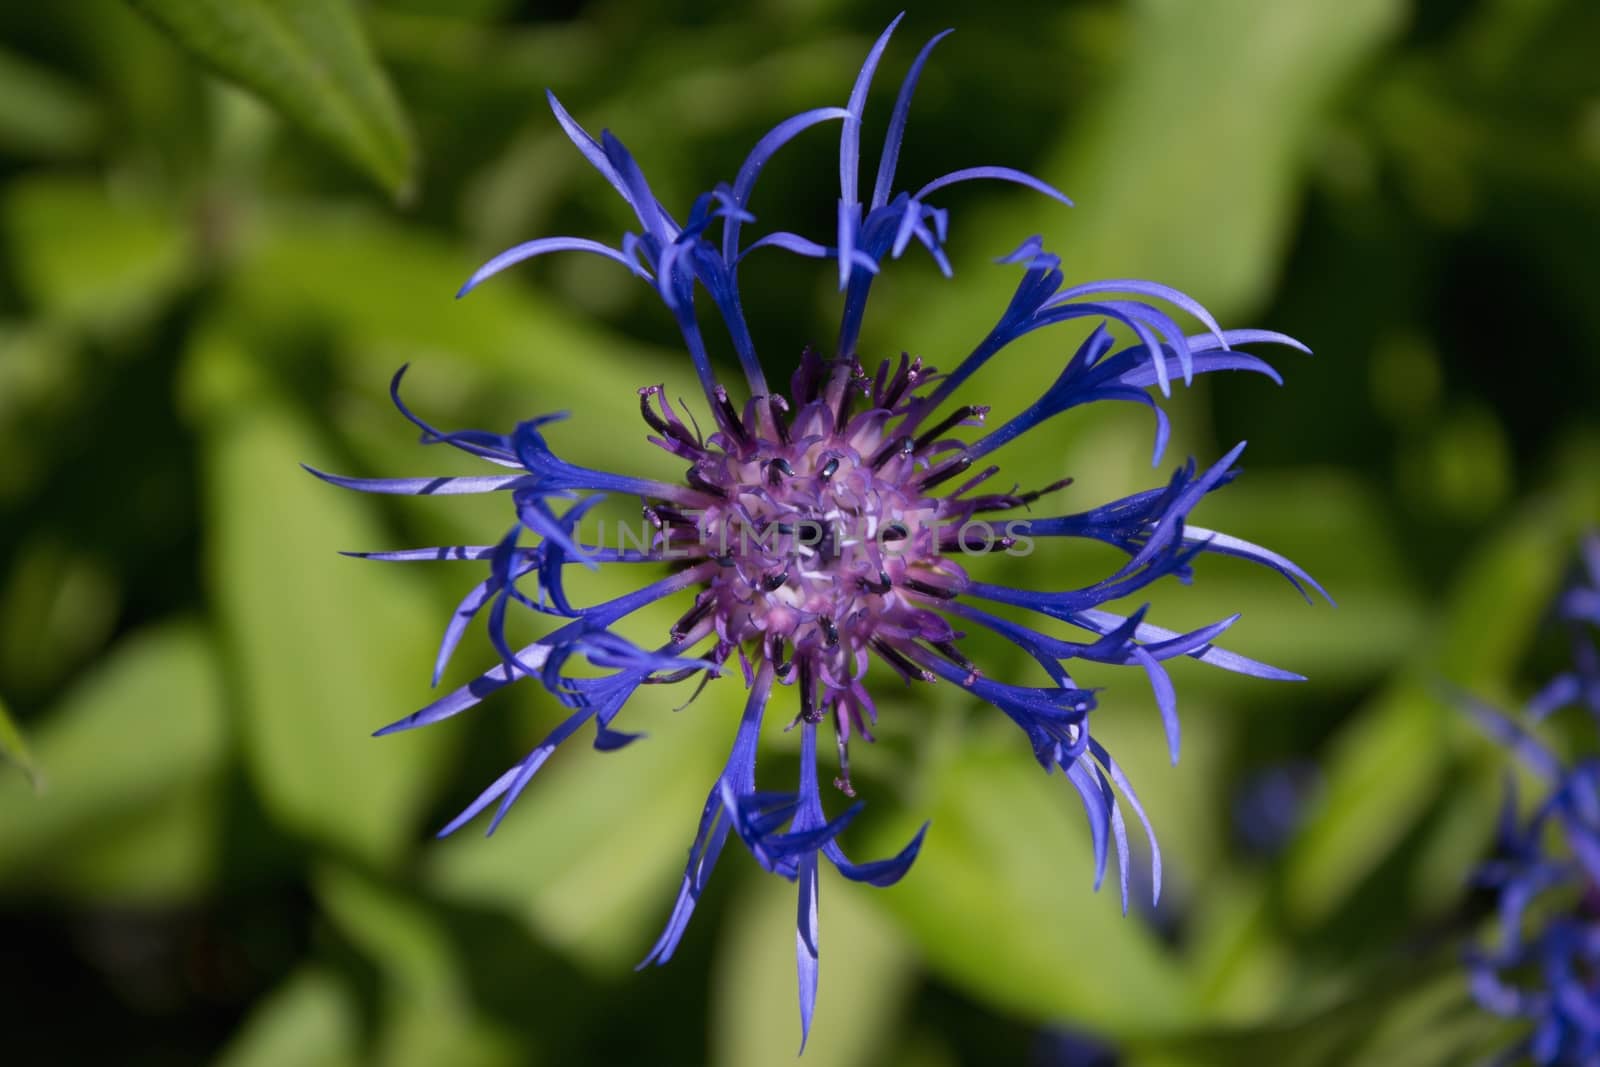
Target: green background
(224, 224)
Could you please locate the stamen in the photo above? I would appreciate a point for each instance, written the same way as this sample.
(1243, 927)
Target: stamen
(830, 632)
(728, 419)
(854, 376)
(775, 653)
(905, 379)
(898, 661)
(778, 408)
(809, 712)
(1007, 501)
(975, 481)
(940, 475)
(667, 423)
(655, 422)
(955, 418)
(950, 652)
(661, 515)
(778, 469)
(919, 586)
(773, 582)
(842, 783)
(900, 446)
(1028, 498)
(880, 587)
(691, 618)
(828, 469)
(698, 481)
(952, 539)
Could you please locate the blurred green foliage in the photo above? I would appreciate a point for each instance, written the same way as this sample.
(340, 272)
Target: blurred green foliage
(223, 225)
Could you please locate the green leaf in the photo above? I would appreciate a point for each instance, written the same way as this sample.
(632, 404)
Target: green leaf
(310, 59)
(1383, 773)
(326, 648)
(574, 860)
(42, 114)
(1410, 1014)
(1233, 80)
(387, 294)
(160, 855)
(85, 255)
(866, 978)
(1387, 762)
(14, 748)
(1511, 581)
(429, 1017)
(1002, 904)
(136, 741)
(1185, 167)
(312, 1020)
(1335, 527)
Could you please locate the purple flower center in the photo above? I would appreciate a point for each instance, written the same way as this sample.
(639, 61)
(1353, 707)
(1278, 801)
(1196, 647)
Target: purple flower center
(829, 540)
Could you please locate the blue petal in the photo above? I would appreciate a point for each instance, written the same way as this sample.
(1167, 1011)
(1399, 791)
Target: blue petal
(775, 138)
(805, 944)
(850, 138)
(881, 873)
(897, 124)
(1004, 174)
(538, 247)
(440, 486)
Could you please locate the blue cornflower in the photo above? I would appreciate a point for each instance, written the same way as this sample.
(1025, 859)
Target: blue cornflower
(819, 531)
(1546, 874)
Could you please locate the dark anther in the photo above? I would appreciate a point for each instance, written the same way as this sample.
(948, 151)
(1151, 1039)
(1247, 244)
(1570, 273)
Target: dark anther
(942, 474)
(895, 531)
(900, 446)
(950, 652)
(656, 422)
(881, 586)
(908, 376)
(809, 533)
(698, 481)
(956, 538)
(809, 711)
(830, 632)
(727, 559)
(671, 428)
(692, 617)
(957, 417)
(775, 651)
(728, 417)
(977, 547)
(659, 515)
(774, 582)
(1028, 498)
(779, 409)
(899, 662)
(842, 783)
(827, 547)
(683, 674)
(777, 470)
(828, 469)
(928, 590)
(857, 379)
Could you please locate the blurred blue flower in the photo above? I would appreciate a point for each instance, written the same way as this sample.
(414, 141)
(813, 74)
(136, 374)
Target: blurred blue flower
(821, 529)
(1063, 1046)
(1270, 806)
(1545, 878)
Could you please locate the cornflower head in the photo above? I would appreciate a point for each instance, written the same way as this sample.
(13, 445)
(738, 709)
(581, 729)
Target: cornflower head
(1544, 967)
(818, 533)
